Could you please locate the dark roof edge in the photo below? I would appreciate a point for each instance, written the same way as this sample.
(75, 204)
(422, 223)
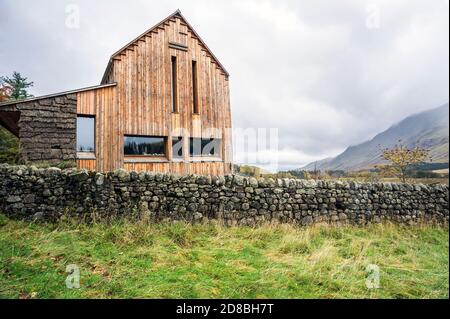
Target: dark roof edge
(89, 88)
(176, 13)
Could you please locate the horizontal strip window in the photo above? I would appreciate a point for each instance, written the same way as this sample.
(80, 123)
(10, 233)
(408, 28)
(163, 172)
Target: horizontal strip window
(178, 46)
(204, 147)
(144, 146)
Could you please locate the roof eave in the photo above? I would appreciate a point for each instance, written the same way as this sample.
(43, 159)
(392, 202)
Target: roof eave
(89, 88)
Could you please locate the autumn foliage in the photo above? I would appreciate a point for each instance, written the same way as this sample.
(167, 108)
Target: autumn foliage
(5, 92)
(401, 158)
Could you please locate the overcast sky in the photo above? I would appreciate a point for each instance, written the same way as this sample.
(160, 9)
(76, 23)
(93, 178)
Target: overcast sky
(327, 74)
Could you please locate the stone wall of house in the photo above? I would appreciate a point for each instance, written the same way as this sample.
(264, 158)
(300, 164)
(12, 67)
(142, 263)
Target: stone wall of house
(31, 193)
(47, 128)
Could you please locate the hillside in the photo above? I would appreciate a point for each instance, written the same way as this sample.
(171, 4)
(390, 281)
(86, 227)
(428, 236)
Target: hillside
(428, 129)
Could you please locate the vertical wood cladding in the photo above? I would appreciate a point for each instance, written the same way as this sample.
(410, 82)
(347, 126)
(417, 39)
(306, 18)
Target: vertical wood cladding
(141, 103)
(142, 80)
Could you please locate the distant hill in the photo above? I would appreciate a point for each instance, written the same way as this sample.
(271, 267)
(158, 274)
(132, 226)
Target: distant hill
(249, 170)
(428, 130)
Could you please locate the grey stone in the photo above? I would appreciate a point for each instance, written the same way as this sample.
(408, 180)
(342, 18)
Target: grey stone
(122, 175)
(99, 179)
(306, 221)
(26, 191)
(13, 199)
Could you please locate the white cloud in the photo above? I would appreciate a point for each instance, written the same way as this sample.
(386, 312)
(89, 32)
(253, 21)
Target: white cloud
(312, 69)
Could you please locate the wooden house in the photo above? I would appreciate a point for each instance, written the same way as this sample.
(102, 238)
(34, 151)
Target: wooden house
(163, 105)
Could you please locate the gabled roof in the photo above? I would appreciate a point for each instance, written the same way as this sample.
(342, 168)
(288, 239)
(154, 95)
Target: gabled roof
(173, 15)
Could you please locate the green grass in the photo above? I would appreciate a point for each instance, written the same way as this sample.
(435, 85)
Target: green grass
(141, 260)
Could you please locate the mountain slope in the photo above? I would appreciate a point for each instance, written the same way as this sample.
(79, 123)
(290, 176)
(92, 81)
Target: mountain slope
(428, 130)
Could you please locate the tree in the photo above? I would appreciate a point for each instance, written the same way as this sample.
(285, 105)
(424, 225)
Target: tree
(5, 91)
(9, 144)
(18, 86)
(400, 158)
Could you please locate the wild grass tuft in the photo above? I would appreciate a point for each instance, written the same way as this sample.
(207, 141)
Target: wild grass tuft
(138, 259)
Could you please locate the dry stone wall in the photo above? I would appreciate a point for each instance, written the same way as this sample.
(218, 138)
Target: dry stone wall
(46, 194)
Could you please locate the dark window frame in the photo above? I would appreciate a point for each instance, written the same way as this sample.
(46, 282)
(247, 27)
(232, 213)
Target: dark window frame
(94, 133)
(174, 72)
(164, 154)
(195, 108)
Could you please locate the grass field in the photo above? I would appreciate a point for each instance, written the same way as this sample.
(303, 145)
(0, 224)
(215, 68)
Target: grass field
(141, 260)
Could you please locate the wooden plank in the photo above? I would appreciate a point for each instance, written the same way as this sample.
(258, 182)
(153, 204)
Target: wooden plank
(141, 102)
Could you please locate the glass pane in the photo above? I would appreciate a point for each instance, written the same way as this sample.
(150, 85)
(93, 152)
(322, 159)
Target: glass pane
(140, 145)
(85, 134)
(194, 87)
(174, 85)
(207, 147)
(210, 147)
(195, 146)
(177, 147)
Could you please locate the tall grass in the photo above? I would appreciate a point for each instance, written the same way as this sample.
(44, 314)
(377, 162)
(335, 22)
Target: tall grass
(136, 259)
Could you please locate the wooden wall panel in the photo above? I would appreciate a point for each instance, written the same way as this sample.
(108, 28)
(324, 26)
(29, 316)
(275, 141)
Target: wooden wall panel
(90, 165)
(141, 103)
(200, 168)
(101, 104)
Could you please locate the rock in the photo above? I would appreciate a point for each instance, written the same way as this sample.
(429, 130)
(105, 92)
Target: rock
(238, 180)
(122, 175)
(234, 200)
(198, 216)
(47, 193)
(38, 216)
(80, 176)
(53, 171)
(306, 221)
(99, 179)
(13, 199)
(249, 190)
(253, 182)
(29, 199)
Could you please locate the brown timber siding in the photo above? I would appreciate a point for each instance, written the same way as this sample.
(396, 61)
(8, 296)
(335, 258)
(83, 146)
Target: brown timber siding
(141, 103)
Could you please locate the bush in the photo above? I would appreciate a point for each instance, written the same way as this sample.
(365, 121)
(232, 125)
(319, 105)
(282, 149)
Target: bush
(9, 147)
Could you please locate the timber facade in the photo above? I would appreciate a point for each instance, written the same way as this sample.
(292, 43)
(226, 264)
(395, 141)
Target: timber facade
(163, 105)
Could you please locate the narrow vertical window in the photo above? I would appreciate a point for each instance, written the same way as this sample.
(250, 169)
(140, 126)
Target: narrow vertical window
(194, 87)
(174, 85)
(85, 134)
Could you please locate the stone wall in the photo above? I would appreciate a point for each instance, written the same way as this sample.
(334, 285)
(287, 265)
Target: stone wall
(47, 128)
(31, 193)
